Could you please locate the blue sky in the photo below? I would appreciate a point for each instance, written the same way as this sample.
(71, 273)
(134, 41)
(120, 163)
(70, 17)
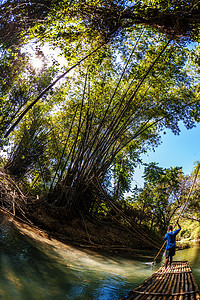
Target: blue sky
(175, 150)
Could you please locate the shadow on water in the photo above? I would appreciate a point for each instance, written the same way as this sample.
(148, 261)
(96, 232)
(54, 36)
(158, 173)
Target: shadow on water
(33, 267)
(36, 268)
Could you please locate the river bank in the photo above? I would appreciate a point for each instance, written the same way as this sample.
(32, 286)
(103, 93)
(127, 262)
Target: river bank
(187, 243)
(106, 239)
(114, 241)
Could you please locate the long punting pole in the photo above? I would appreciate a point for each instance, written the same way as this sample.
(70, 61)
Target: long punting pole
(190, 192)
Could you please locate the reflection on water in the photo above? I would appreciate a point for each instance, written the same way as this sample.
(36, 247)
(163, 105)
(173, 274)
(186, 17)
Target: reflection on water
(33, 267)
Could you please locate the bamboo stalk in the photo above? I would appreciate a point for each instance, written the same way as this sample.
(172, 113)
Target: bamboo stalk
(115, 124)
(110, 115)
(116, 87)
(141, 234)
(62, 155)
(126, 106)
(48, 88)
(79, 124)
(14, 203)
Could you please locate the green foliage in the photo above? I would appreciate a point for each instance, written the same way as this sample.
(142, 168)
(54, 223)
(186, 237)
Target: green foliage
(161, 194)
(189, 230)
(109, 18)
(29, 149)
(122, 175)
(16, 17)
(21, 83)
(111, 109)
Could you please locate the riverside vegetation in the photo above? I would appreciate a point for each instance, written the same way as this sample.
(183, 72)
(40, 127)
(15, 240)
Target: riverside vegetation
(75, 132)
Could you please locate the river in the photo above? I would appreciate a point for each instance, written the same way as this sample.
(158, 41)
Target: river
(34, 267)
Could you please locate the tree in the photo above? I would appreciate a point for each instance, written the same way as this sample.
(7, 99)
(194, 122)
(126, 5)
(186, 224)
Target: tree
(12, 98)
(162, 194)
(192, 210)
(122, 175)
(180, 19)
(102, 113)
(134, 84)
(17, 17)
(74, 27)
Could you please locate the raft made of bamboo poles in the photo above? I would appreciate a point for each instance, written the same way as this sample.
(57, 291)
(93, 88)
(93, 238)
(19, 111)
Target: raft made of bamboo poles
(176, 282)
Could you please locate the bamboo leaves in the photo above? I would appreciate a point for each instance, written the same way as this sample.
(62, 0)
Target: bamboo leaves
(125, 88)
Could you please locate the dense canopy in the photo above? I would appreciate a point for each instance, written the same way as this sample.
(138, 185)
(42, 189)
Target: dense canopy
(75, 130)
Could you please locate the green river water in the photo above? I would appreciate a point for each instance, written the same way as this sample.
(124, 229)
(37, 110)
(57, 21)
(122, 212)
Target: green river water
(32, 267)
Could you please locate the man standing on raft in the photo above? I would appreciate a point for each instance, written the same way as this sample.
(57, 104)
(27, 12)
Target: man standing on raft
(170, 237)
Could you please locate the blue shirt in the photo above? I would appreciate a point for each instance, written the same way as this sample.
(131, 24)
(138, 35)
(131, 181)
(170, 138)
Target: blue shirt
(170, 237)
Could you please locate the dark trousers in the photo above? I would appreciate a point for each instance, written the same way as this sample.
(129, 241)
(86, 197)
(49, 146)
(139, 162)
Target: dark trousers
(169, 253)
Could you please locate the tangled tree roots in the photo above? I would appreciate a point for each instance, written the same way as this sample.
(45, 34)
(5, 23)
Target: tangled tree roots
(85, 230)
(12, 199)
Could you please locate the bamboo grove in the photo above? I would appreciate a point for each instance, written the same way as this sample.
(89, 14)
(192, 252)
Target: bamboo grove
(75, 132)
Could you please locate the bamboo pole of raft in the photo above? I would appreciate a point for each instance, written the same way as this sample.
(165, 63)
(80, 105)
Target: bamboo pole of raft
(181, 289)
(178, 285)
(190, 192)
(192, 287)
(166, 285)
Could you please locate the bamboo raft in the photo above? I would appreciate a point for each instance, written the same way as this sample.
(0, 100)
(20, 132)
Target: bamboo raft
(176, 282)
